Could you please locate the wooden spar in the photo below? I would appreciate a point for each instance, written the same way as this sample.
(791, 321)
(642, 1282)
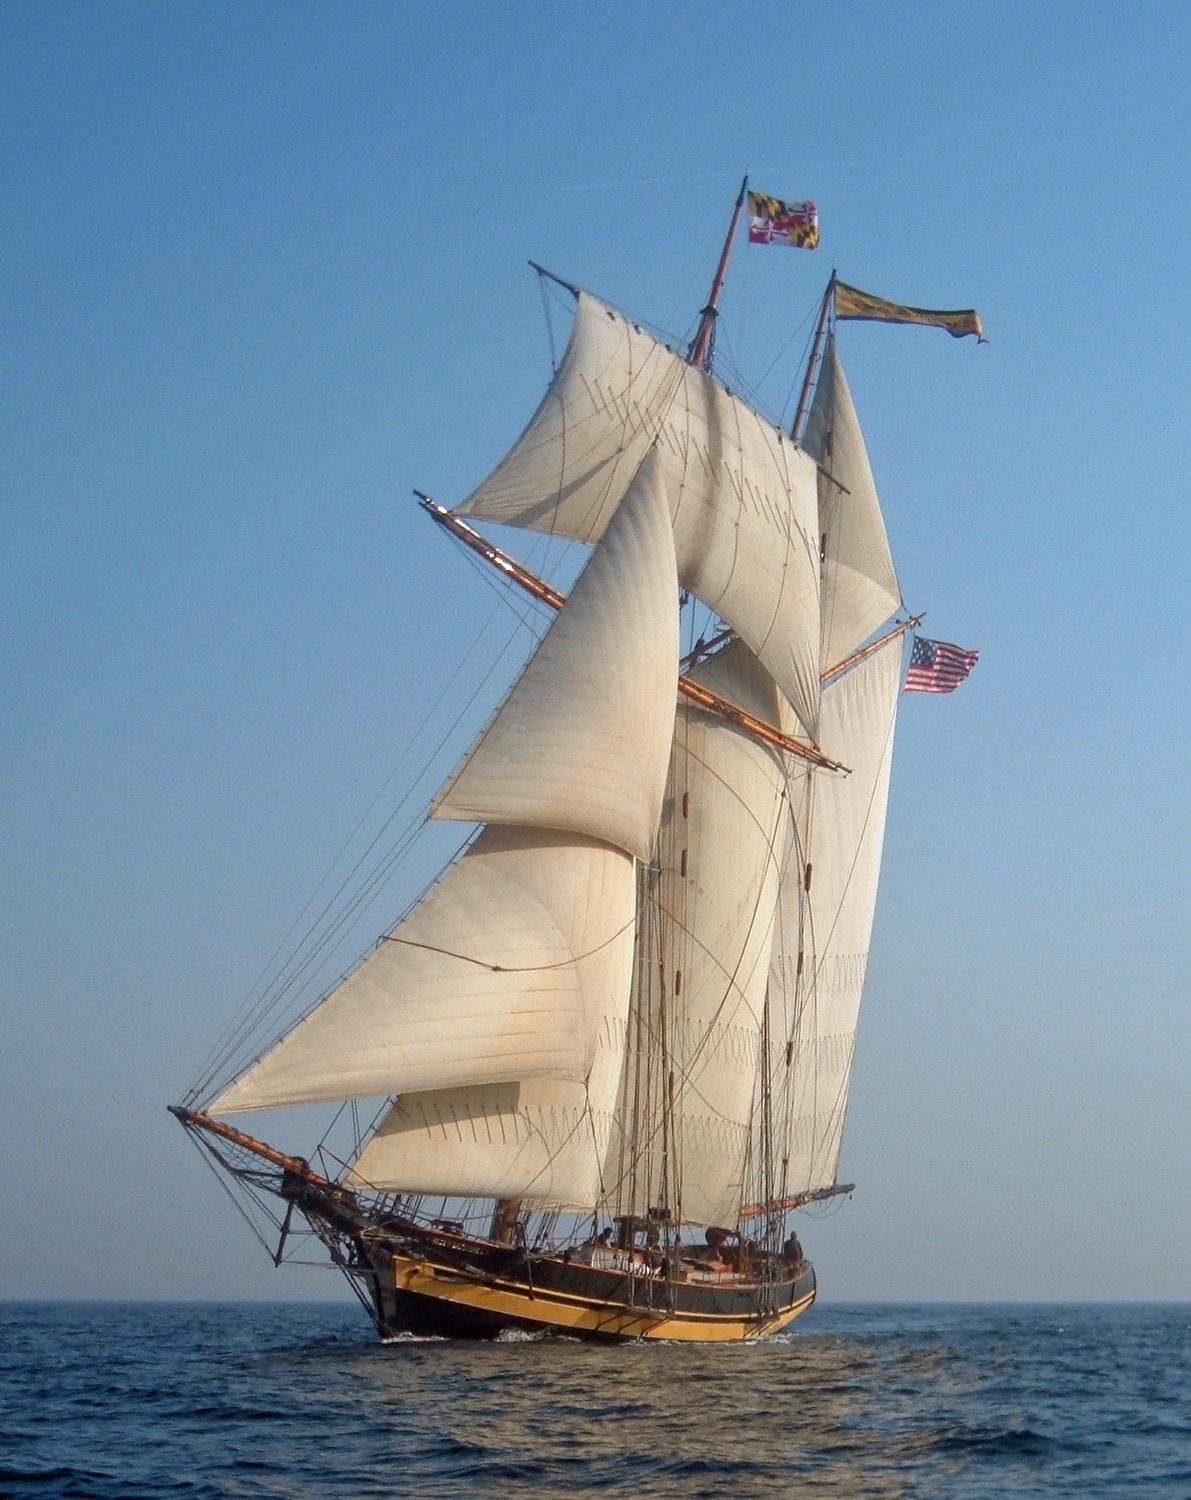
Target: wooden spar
(804, 398)
(470, 537)
(799, 1200)
(197, 1120)
(702, 343)
(705, 648)
(716, 641)
(552, 276)
(859, 656)
(697, 693)
(536, 586)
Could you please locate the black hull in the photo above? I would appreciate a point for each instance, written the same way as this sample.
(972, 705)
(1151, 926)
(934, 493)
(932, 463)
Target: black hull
(429, 1287)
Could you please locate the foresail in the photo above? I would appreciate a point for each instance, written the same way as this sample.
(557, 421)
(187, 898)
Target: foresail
(839, 830)
(860, 589)
(583, 738)
(539, 1140)
(742, 497)
(698, 1012)
(502, 972)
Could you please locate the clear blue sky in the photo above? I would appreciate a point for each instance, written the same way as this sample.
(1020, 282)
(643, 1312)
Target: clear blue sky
(264, 271)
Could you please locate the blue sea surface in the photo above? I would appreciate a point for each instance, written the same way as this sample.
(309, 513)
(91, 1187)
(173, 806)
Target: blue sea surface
(118, 1401)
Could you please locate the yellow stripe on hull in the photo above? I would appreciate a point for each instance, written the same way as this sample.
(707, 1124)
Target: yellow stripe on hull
(504, 1299)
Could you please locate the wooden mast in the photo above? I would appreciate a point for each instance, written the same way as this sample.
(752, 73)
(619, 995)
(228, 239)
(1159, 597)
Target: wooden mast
(812, 364)
(541, 590)
(703, 344)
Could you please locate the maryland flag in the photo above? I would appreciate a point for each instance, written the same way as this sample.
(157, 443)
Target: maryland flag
(773, 222)
(852, 303)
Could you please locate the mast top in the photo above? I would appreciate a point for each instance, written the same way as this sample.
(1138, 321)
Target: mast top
(703, 344)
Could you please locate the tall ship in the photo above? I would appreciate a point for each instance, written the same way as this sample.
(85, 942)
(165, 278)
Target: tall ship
(593, 1073)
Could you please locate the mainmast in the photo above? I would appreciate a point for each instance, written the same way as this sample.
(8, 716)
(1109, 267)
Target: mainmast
(703, 344)
(812, 364)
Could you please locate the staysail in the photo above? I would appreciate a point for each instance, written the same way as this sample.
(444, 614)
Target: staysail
(743, 497)
(516, 965)
(490, 977)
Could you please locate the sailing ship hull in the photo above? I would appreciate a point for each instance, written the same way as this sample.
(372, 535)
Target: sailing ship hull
(435, 1279)
(431, 1296)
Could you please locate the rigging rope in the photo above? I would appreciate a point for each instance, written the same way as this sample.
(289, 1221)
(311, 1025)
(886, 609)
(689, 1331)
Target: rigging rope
(255, 1014)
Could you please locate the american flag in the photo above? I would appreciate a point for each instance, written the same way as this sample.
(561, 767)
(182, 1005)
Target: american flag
(938, 666)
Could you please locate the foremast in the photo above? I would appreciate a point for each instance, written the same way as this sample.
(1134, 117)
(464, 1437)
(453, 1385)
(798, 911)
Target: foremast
(702, 350)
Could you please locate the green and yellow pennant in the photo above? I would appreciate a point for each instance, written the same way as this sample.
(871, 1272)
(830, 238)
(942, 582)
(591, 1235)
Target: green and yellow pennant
(852, 303)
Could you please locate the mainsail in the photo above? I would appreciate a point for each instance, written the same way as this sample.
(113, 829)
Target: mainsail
(685, 1111)
(742, 497)
(828, 895)
(750, 974)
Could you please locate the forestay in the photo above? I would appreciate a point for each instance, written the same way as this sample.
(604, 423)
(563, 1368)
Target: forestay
(742, 497)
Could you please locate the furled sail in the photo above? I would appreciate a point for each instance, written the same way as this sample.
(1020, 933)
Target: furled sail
(695, 1043)
(860, 589)
(743, 498)
(595, 701)
(500, 972)
(517, 962)
(839, 829)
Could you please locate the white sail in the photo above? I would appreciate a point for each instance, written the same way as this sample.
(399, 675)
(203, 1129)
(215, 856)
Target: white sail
(840, 830)
(539, 1140)
(582, 740)
(509, 967)
(860, 589)
(715, 892)
(743, 498)
(503, 971)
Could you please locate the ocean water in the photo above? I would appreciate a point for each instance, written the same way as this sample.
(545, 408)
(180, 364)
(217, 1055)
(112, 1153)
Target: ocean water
(121, 1401)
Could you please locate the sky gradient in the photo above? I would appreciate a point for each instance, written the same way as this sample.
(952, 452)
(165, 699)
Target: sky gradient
(264, 273)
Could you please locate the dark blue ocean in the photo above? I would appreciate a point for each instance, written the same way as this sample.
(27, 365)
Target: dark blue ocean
(118, 1400)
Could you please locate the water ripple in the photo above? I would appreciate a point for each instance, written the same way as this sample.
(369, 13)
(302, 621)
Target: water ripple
(120, 1402)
